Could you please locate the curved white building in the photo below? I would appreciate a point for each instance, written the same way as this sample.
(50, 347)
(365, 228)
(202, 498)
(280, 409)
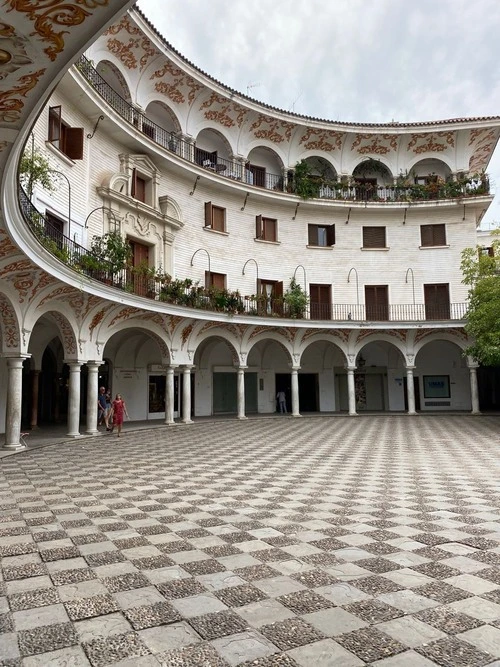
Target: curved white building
(267, 251)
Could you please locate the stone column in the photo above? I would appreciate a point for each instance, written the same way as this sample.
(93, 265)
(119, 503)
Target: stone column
(14, 402)
(186, 395)
(241, 392)
(169, 404)
(295, 393)
(351, 391)
(74, 398)
(92, 391)
(410, 390)
(35, 384)
(474, 392)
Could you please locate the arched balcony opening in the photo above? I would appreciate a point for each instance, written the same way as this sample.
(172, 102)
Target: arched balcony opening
(164, 126)
(371, 178)
(264, 169)
(213, 152)
(430, 170)
(114, 78)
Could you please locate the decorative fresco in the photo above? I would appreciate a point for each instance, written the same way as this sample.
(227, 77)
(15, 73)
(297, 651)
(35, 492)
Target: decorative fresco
(277, 131)
(484, 141)
(375, 144)
(8, 324)
(223, 111)
(175, 83)
(49, 15)
(322, 140)
(11, 100)
(431, 142)
(134, 53)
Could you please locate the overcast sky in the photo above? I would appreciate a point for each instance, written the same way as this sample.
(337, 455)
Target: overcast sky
(348, 60)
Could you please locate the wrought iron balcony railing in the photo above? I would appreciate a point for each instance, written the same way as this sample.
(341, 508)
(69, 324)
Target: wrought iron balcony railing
(248, 174)
(190, 294)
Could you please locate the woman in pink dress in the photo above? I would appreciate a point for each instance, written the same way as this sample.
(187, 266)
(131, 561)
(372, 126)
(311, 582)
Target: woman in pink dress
(119, 409)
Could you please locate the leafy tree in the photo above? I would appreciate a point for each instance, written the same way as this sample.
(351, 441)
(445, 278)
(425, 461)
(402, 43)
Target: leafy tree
(35, 169)
(481, 273)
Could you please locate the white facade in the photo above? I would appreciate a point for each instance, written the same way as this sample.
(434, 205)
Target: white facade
(183, 140)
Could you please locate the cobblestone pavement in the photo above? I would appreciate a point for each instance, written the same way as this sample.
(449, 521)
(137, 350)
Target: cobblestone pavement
(325, 541)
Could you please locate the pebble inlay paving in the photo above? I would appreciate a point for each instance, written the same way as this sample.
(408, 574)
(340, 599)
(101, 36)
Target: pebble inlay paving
(165, 549)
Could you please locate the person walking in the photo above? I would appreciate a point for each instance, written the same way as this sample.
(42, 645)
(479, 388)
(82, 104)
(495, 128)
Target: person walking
(119, 409)
(102, 414)
(281, 398)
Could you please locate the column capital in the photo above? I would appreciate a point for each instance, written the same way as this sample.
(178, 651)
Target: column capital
(473, 365)
(94, 364)
(295, 369)
(187, 367)
(242, 368)
(351, 368)
(17, 362)
(74, 363)
(410, 367)
(171, 367)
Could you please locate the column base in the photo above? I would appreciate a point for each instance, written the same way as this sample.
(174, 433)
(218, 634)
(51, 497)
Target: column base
(242, 418)
(353, 414)
(13, 448)
(73, 435)
(476, 412)
(412, 414)
(187, 421)
(297, 415)
(96, 432)
(172, 423)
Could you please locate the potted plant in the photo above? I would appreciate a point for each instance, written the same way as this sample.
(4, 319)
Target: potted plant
(113, 251)
(295, 300)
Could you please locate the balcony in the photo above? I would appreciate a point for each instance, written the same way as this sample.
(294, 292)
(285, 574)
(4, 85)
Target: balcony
(185, 292)
(247, 174)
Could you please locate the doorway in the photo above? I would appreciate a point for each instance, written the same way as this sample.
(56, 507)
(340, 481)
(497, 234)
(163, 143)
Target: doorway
(308, 391)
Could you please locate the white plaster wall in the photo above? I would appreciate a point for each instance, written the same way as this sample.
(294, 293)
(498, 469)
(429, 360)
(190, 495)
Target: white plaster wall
(442, 358)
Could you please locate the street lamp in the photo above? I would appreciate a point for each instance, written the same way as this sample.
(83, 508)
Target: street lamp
(256, 266)
(208, 255)
(110, 212)
(60, 173)
(409, 270)
(300, 266)
(357, 283)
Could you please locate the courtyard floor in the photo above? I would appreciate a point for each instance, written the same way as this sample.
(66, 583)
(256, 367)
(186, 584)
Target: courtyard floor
(274, 542)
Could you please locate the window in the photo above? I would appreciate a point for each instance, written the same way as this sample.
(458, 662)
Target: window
(374, 237)
(270, 293)
(432, 235)
(215, 217)
(377, 302)
(437, 301)
(488, 251)
(319, 235)
(321, 302)
(266, 229)
(366, 188)
(255, 175)
(54, 228)
(138, 187)
(140, 262)
(216, 280)
(69, 140)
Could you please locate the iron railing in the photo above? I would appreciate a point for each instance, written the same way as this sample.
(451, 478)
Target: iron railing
(246, 173)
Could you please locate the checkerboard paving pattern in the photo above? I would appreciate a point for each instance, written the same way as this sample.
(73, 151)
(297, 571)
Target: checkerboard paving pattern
(283, 542)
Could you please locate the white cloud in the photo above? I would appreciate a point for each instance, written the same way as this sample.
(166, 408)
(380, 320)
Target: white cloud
(347, 60)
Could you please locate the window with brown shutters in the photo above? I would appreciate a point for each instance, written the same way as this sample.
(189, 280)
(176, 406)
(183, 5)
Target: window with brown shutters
(138, 187)
(69, 140)
(320, 297)
(432, 235)
(374, 237)
(215, 217)
(266, 229)
(215, 280)
(321, 235)
(377, 302)
(437, 301)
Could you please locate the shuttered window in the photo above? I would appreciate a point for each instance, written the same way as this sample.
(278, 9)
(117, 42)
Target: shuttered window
(374, 237)
(321, 235)
(437, 301)
(320, 297)
(69, 140)
(266, 229)
(216, 280)
(377, 302)
(432, 235)
(138, 188)
(215, 217)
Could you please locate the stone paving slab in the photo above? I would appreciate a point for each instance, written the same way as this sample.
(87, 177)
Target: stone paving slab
(271, 543)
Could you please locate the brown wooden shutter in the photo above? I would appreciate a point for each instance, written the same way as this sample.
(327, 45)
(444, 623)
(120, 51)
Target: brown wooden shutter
(374, 237)
(133, 185)
(426, 235)
(208, 214)
(437, 301)
(277, 305)
(219, 218)
(439, 235)
(54, 124)
(278, 289)
(330, 235)
(312, 235)
(258, 226)
(74, 143)
(376, 302)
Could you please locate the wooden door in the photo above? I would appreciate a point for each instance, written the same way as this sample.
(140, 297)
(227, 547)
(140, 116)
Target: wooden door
(320, 302)
(377, 302)
(437, 301)
(259, 175)
(140, 258)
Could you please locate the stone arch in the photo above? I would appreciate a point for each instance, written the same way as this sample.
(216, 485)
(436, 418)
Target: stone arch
(114, 77)
(271, 336)
(460, 342)
(164, 116)
(321, 165)
(10, 330)
(210, 140)
(66, 329)
(393, 340)
(207, 343)
(324, 338)
(441, 166)
(264, 166)
(378, 168)
(141, 327)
